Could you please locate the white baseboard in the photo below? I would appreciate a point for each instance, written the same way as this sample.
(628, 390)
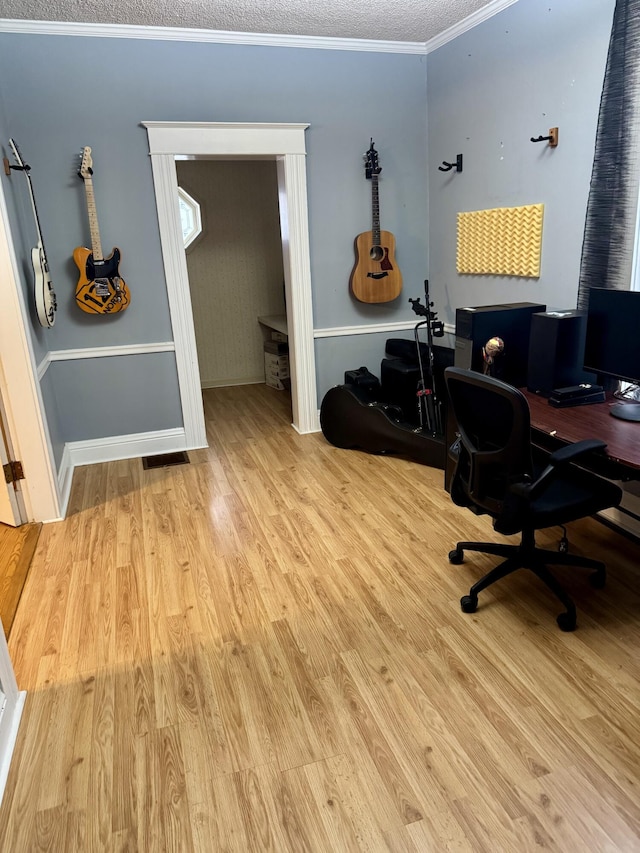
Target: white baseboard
(314, 425)
(230, 383)
(65, 476)
(113, 448)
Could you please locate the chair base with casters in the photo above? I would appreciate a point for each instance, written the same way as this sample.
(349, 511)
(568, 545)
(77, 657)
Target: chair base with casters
(500, 474)
(527, 556)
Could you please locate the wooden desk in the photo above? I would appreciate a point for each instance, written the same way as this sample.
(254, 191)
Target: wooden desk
(554, 427)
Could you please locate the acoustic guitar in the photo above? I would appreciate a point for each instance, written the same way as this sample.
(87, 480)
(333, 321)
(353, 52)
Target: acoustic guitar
(375, 276)
(100, 289)
(44, 294)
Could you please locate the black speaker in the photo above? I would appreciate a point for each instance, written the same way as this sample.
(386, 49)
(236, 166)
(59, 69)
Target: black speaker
(399, 380)
(556, 351)
(474, 327)
(400, 377)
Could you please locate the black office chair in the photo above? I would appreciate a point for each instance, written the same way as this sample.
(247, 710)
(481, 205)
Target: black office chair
(495, 475)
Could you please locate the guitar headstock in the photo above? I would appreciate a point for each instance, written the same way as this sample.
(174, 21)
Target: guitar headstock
(86, 169)
(372, 166)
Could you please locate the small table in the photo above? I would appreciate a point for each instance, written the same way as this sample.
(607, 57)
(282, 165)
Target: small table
(278, 322)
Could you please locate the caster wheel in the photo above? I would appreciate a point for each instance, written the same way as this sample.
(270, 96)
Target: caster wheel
(597, 580)
(456, 557)
(566, 622)
(468, 604)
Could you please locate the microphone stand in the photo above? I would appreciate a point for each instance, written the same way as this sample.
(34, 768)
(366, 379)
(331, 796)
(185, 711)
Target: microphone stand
(429, 407)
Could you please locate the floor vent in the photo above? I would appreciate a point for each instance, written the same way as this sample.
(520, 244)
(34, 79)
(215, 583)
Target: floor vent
(165, 459)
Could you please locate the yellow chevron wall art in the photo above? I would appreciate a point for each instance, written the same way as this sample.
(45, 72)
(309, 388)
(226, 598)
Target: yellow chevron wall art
(500, 241)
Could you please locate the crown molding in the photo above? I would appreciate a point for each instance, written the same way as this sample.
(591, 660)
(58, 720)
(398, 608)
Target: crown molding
(468, 23)
(132, 31)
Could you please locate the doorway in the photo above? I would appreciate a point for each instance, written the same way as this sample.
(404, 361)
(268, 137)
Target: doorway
(17, 547)
(11, 507)
(285, 144)
(17, 539)
(232, 239)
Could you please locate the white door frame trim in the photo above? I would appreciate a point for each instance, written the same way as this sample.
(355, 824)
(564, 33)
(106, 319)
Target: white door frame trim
(10, 713)
(21, 391)
(284, 143)
(12, 510)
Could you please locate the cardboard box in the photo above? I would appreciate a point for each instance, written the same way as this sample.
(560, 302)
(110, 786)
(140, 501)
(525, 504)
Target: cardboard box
(276, 347)
(276, 365)
(275, 382)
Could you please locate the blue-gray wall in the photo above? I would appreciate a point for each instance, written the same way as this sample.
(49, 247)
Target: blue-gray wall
(22, 223)
(533, 66)
(24, 236)
(68, 92)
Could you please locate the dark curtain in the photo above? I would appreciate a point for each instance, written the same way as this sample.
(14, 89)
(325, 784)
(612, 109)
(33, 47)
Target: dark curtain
(607, 250)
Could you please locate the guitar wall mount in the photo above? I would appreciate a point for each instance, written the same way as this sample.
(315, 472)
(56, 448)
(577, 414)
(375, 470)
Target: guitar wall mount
(552, 138)
(446, 167)
(9, 166)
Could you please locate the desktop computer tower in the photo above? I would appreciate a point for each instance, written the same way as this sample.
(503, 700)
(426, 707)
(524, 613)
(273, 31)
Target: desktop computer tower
(475, 326)
(556, 351)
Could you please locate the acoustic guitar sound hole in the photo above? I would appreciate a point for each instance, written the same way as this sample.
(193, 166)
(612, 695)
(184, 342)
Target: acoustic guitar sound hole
(376, 253)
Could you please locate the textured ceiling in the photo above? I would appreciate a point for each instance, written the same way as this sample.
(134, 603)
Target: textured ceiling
(386, 20)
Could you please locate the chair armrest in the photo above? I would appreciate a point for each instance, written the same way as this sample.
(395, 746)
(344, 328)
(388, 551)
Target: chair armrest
(572, 451)
(558, 459)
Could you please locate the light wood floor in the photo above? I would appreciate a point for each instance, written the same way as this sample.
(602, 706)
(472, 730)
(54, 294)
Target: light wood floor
(264, 651)
(17, 545)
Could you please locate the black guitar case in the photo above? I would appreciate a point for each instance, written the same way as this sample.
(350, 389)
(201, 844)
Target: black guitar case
(349, 420)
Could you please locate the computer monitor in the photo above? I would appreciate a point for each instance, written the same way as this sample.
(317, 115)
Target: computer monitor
(612, 346)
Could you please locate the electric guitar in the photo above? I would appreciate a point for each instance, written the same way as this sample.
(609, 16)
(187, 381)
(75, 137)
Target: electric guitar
(375, 276)
(44, 294)
(100, 289)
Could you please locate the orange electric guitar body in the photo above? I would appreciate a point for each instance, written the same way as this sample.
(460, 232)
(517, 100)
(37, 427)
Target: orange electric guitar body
(375, 276)
(100, 289)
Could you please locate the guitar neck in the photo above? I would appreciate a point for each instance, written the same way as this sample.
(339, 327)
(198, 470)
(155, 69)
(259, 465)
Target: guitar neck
(375, 211)
(32, 198)
(35, 211)
(96, 245)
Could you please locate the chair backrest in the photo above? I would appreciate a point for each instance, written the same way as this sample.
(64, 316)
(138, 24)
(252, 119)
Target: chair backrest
(494, 450)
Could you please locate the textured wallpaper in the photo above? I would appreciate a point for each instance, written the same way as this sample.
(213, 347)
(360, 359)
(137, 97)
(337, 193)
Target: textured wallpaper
(235, 267)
